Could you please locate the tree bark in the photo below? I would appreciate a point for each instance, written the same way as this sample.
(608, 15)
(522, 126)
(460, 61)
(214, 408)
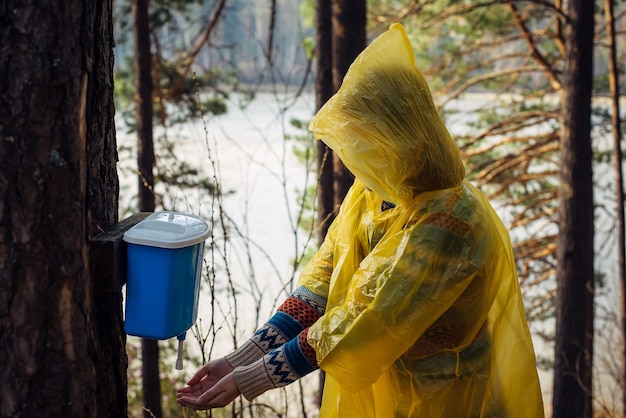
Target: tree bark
(61, 334)
(324, 89)
(349, 39)
(340, 37)
(575, 274)
(144, 87)
(151, 381)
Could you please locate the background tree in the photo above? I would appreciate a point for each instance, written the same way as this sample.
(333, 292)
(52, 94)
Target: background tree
(340, 34)
(151, 381)
(573, 392)
(324, 89)
(61, 334)
(348, 40)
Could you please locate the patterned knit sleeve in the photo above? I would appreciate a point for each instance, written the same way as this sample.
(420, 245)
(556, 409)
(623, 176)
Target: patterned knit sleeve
(299, 311)
(278, 368)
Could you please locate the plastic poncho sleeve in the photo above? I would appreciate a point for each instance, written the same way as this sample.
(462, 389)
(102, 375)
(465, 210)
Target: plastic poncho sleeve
(395, 293)
(315, 276)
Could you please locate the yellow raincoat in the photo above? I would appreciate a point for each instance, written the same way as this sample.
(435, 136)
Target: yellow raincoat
(424, 315)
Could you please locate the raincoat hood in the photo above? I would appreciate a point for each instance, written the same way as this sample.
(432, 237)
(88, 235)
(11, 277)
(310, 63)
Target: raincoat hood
(384, 126)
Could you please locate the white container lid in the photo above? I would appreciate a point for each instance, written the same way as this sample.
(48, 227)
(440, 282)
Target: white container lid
(168, 230)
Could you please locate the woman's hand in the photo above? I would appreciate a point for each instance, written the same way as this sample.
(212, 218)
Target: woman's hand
(213, 386)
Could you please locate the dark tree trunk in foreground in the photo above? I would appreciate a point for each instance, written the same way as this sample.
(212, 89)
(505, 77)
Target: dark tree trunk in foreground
(61, 332)
(575, 274)
(349, 39)
(151, 381)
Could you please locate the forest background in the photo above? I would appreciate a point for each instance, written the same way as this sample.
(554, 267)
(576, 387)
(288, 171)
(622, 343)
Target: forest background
(496, 69)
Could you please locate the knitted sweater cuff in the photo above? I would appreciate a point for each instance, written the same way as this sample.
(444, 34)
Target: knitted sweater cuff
(253, 379)
(247, 353)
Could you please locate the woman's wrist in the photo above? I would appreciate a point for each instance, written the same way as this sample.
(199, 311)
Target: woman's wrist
(246, 354)
(253, 379)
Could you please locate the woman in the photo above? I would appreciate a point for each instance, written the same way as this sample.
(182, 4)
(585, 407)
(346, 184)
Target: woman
(411, 305)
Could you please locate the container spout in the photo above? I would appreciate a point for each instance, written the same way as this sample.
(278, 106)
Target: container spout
(179, 358)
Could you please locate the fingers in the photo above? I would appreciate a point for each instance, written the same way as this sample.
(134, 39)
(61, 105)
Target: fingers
(207, 400)
(204, 370)
(217, 396)
(190, 388)
(194, 390)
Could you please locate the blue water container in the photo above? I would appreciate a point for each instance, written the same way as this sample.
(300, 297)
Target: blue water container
(164, 266)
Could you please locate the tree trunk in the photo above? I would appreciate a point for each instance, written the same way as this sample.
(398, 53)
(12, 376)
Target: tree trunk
(340, 37)
(575, 274)
(323, 91)
(349, 39)
(61, 334)
(151, 381)
(144, 87)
